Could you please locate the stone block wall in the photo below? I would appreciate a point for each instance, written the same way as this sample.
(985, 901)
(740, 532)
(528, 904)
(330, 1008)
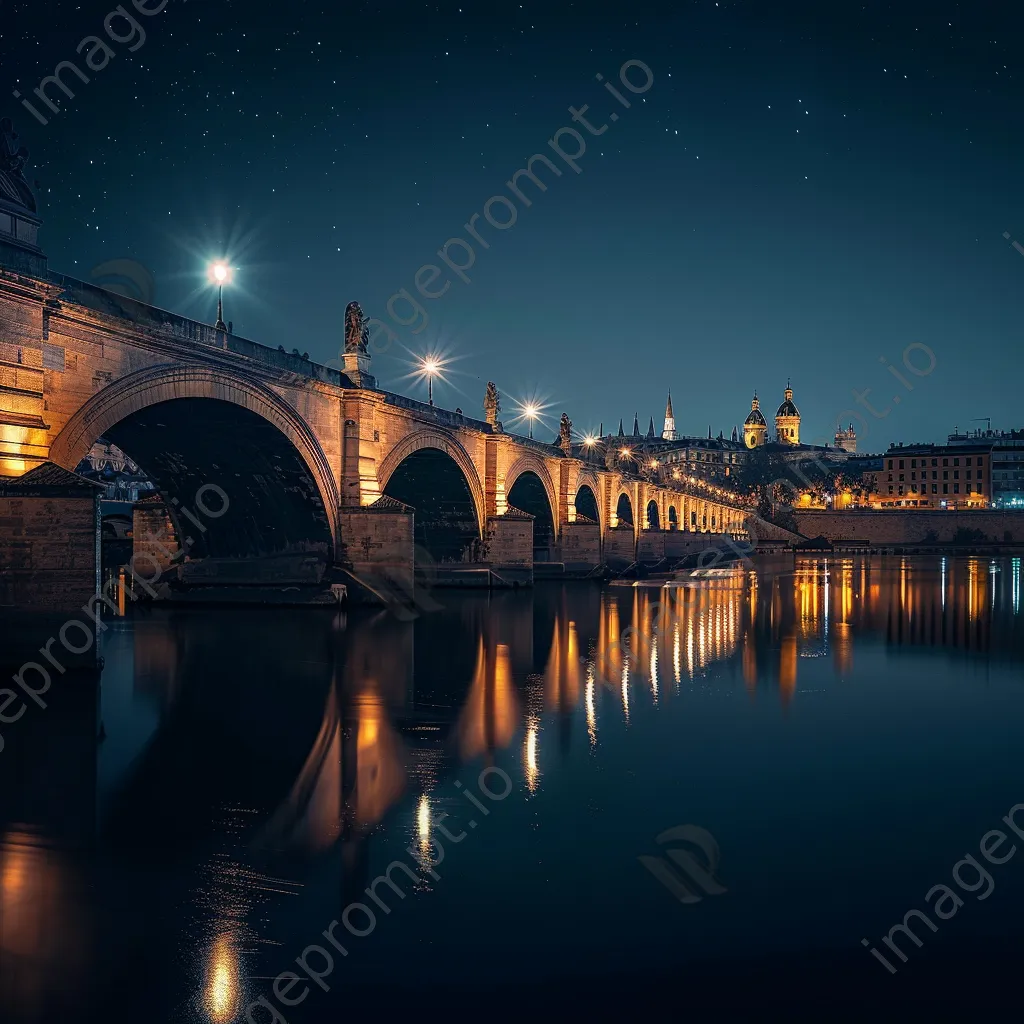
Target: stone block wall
(619, 547)
(509, 542)
(49, 552)
(581, 545)
(154, 540)
(912, 526)
(650, 546)
(380, 549)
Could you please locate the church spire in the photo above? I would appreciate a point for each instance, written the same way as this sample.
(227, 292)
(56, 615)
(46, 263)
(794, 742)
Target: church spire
(669, 430)
(636, 425)
(621, 434)
(650, 430)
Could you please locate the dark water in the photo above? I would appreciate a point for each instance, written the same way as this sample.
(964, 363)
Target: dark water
(846, 730)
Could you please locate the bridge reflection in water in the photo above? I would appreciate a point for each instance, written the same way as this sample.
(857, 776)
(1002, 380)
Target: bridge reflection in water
(244, 751)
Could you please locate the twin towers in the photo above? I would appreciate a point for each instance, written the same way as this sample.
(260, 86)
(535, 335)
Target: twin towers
(755, 427)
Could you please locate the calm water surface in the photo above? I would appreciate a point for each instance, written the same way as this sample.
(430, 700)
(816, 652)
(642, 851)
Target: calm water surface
(845, 729)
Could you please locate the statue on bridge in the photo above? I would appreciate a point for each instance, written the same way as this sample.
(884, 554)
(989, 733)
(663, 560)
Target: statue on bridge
(492, 405)
(565, 434)
(357, 334)
(13, 157)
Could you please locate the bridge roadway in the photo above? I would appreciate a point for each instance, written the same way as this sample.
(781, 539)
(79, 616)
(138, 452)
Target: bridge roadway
(321, 468)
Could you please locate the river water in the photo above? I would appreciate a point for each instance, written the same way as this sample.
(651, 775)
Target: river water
(827, 737)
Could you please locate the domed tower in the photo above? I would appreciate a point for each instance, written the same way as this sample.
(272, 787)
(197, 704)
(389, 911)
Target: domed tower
(755, 429)
(787, 420)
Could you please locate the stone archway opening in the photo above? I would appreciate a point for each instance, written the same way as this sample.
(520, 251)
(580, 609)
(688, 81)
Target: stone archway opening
(624, 510)
(673, 518)
(447, 528)
(586, 504)
(653, 516)
(242, 505)
(529, 495)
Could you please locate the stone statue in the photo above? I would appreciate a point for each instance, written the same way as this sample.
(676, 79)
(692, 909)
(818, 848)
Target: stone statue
(357, 334)
(492, 405)
(13, 157)
(565, 433)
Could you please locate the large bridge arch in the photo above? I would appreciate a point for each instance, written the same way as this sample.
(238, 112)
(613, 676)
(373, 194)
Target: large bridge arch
(287, 477)
(438, 440)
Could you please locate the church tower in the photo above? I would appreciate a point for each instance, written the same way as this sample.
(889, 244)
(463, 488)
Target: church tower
(668, 433)
(846, 439)
(755, 429)
(787, 420)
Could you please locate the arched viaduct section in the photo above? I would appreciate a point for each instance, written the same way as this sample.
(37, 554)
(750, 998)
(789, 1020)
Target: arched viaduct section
(324, 469)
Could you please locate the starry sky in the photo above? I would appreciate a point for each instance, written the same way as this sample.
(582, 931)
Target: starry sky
(804, 191)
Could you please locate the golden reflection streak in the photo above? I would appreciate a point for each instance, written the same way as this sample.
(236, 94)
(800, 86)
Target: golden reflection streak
(591, 710)
(423, 824)
(530, 757)
(222, 987)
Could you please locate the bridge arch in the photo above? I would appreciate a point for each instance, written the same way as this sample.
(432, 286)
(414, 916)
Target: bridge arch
(653, 515)
(291, 479)
(528, 487)
(429, 438)
(624, 510)
(529, 462)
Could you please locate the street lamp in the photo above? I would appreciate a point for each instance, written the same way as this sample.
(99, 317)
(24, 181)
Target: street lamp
(220, 274)
(431, 368)
(531, 412)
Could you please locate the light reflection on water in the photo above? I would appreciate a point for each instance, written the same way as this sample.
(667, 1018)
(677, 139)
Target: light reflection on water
(257, 764)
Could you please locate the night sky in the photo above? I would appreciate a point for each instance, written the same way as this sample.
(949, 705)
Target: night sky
(804, 190)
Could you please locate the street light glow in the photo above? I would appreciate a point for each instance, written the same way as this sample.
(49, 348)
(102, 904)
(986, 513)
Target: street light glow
(219, 272)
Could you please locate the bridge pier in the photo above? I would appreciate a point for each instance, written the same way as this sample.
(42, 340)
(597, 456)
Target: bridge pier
(580, 546)
(620, 546)
(508, 547)
(650, 546)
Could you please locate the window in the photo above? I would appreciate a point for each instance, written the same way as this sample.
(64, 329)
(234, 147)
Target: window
(945, 462)
(956, 488)
(956, 462)
(913, 490)
(935, 472)
(902, 475)
(935, 488)
(945, 474)
(967, 461)
(890, 463)
(901, 464)
(913, 476)
(901, 488)
(935, 462)
(890, 476)
(890, 488)
(945, 488)
(968, 474)
(956, 474)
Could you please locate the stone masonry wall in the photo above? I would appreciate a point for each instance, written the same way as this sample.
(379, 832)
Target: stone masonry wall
(48, 552)
(910, 527)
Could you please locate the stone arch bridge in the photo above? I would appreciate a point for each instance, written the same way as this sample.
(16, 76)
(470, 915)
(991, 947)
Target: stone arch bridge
(321, 470)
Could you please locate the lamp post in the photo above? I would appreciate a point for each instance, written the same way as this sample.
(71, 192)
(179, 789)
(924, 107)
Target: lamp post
(431, 368)
(531, 412)
(219, 274)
